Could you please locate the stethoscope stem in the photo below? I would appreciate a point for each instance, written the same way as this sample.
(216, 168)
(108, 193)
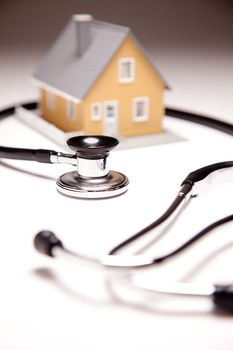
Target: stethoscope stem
(37, 155)
(63, 158)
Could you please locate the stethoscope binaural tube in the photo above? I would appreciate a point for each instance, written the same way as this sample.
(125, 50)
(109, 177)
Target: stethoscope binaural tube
(222, 296)
(47, 243)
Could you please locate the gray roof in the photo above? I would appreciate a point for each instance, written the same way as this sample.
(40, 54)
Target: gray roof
(64, 71)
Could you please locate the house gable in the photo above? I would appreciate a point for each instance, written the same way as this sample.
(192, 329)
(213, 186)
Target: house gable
(147, 83)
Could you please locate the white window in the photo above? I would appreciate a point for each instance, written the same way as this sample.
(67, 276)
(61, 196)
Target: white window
(96, 111)
(140, 109)
(51, 101)
(126, 70)
(71, 112)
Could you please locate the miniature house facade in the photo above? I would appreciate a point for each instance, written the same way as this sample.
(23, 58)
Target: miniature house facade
(97, 79)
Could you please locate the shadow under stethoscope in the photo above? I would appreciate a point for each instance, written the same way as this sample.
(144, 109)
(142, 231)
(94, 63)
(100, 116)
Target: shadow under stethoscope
(114, 292)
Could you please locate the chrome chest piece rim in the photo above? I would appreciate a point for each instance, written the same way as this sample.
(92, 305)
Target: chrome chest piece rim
(92, 179)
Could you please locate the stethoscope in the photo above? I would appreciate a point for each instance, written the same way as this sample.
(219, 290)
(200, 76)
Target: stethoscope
(93, 179)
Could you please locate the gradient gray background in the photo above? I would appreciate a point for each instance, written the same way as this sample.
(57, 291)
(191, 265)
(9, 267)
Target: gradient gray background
(191, 43)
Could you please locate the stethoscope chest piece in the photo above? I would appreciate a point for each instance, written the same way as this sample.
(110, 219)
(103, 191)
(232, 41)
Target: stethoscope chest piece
(92, 178)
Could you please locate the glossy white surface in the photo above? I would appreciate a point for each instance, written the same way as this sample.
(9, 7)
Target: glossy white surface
(50, 304)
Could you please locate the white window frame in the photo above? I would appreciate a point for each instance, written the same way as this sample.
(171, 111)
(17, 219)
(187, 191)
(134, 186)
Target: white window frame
(71, 109)
(145, 116)
(121, 78)
(50, 101)
(95, 117)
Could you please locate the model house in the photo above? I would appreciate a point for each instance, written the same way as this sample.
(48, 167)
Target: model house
(97, 79)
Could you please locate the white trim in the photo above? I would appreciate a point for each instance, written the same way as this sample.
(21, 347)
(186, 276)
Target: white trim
(95, 117)
(71, 110)
(121, 62)
(51, 89)
(145, 116)
(33, 120)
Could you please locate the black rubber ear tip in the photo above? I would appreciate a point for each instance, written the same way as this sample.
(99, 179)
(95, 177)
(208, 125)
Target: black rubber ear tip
(45, 241)
(223, 297)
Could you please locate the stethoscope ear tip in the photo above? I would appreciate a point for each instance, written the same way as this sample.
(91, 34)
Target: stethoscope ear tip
(45, 241)
(223, 298)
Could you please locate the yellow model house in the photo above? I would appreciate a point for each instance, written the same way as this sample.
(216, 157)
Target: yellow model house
(97, 79)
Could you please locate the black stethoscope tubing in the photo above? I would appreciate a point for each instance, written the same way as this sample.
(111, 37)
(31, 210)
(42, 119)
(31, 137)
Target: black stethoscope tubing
(209, 122)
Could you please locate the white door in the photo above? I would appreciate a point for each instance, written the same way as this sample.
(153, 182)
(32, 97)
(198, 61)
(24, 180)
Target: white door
(111, 117)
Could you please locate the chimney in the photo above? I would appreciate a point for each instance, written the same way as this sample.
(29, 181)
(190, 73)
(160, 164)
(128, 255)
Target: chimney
(83, 33)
